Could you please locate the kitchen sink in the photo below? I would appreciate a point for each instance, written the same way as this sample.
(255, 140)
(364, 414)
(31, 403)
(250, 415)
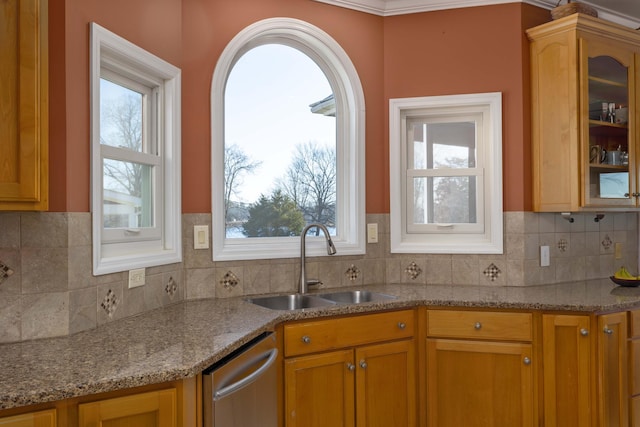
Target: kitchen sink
(355, 297)
(291, 302)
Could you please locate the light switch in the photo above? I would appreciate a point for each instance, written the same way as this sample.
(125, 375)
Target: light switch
(618, 247)
(372, 233)
(136, 277)
(200, 237)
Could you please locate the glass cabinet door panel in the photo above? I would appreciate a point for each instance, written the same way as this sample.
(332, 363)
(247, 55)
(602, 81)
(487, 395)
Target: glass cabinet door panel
(609, 180)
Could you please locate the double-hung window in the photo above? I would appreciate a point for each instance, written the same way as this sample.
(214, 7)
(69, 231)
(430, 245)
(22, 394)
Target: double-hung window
(135, 113)
(446, 174)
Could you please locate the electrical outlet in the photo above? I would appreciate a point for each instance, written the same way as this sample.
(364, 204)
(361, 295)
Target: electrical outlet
(544, 256)
(136, 277)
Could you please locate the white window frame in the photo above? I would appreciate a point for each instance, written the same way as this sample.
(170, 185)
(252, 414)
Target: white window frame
(126, 64)
(350, 134)
(487, 236)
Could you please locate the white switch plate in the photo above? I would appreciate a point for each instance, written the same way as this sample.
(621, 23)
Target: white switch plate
(544, 256)
(136, 277)
(372, 233)
(618, 250)
(200, 237)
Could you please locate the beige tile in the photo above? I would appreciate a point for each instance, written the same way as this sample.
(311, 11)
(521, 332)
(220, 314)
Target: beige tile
(133, 299)
(44, 230)
(44, 270)
(45, 315)
(515, 272)
(515, 246)
(79, 229)
(11, 285)
(283, 277)
(80, 267)
(9, 230)
(82, 310)
(514, 222)
(200, 283)
(373, 271)
(257, 277)
(438, 269)
(464, 270)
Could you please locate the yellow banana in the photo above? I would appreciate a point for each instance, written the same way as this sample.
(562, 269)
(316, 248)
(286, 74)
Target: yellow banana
(623, 273)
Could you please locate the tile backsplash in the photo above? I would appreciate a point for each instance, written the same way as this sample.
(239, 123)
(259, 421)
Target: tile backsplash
(47, 289)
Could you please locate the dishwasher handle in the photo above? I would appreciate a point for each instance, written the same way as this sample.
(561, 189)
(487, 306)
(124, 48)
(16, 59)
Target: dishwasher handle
(225, 391)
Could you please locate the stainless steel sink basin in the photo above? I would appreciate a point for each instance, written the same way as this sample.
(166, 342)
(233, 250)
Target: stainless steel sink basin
(291, 302)
(355, 297)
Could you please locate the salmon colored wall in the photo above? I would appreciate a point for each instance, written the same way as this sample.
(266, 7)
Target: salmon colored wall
(480, 49)
(209, 26)
(469, 50)
(154, 25)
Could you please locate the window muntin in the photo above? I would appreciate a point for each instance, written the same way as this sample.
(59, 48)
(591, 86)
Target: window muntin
(446, 174)
(349, 105)
(135, 131)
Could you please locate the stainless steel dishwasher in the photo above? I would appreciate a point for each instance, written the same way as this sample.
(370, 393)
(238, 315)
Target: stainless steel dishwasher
(241, 389)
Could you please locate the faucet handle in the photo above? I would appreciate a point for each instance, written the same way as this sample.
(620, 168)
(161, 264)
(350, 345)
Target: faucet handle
(314, 282)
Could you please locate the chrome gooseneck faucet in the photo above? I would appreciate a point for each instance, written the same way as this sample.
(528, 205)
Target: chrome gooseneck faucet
(331, 250)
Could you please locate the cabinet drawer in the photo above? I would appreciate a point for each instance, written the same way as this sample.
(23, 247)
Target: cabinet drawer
(479, 325)
(634, 324)
(322, 335)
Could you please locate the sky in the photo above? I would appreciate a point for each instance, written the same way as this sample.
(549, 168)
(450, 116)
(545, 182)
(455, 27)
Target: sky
(267, 112)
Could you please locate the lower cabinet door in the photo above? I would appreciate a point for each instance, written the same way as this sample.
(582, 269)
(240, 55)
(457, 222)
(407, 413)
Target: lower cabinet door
(152, 409)
(479, 384)
(613, 374)
(567, 370)
(319, 390)
(386, 385)
(34, 419)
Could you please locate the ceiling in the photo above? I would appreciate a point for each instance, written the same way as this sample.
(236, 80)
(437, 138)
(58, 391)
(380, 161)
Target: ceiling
(624, 12)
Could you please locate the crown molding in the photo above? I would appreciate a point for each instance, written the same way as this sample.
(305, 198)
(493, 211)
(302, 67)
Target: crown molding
(403, 7)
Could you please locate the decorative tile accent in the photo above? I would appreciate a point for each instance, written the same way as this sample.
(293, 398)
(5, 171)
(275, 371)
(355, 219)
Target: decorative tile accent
(5, 271)
(563, 245)
(229, 280)
(607, 242)
(352, 273)
(413, 270)
(492, 272)
(171, 287)
(109, 303)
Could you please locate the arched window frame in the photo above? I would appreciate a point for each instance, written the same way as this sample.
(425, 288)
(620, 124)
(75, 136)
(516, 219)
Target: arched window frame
(350, 138)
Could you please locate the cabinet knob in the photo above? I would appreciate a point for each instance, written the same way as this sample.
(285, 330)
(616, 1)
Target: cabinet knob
(607, 330)
(526, 361)
(584, 332)
(351, 366)
(363, 364)
(636, 194)
(478, 326)
(402, 325)
(306, 339)
(627, 194)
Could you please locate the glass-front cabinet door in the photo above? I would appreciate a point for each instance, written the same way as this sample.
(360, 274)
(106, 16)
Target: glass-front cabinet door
(608, 151)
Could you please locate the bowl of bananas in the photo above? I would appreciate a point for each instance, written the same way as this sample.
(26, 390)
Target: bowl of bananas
(622, 277)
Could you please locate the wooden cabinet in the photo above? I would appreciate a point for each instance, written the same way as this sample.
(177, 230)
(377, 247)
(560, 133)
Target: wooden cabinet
(151, 409)
(23, 105)
(480, 369)
(634, 368)
(612, 376)
(584, 107)
(34, 419)
(585, 370)
(566, 345)
(356, 371)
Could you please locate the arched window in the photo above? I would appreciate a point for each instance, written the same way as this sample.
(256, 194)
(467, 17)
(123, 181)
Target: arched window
(287, 143)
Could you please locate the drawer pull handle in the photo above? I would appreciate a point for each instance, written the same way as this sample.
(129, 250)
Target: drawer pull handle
(608, 330)
(478, 326)
(306, 339)
(402, 325)
(584, 332)
(351, 367)
(526, 361)
(363, 364)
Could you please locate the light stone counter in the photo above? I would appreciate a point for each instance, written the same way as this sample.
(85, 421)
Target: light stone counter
(181, 340)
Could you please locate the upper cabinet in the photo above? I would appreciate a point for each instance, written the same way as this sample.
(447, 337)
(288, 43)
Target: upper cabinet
(23, 105)
(584, 96)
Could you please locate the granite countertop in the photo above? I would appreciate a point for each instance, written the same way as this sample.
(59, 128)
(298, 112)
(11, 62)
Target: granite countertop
(180, 341)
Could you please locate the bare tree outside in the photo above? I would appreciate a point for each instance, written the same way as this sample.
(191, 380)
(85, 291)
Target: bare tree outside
(237, 164)
(122, 127)
(310, 181)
